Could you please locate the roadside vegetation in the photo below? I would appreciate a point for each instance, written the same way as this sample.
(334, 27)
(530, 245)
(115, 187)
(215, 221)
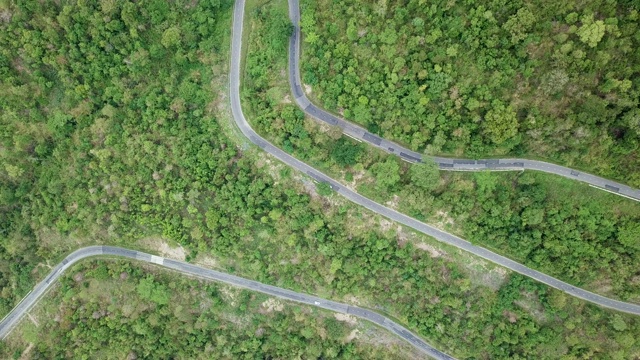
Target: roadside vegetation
(117, 139)
(422, 192)
(485, 78)
(106, 309)
(561, 227)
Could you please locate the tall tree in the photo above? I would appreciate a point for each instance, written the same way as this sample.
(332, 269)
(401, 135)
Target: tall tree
(425, 175)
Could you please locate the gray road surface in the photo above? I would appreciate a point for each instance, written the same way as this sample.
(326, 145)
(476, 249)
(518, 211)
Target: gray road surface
(241, 121)
(360, 134)
(8, 323)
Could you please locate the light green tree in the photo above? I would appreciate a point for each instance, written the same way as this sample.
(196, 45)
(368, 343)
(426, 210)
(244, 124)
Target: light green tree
(387, 173)
(311, 38)
(425, 175)
(148, 289)
(500, 123)
(632, 120)
(591, 32)
(486, 183)
(532, 216)
(324, 189)
(352, 30)
(518, 25)
(171, 37)
(336, 264)
(13, 171)
(618, 323)
(629, 235)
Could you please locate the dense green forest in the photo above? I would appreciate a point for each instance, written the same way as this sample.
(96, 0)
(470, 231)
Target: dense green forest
(543, 79)
(115, 127)
(118, 310)
(105, 130)
(558, 226)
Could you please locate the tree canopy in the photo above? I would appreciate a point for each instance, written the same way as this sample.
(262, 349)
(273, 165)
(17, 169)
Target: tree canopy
(485, 77)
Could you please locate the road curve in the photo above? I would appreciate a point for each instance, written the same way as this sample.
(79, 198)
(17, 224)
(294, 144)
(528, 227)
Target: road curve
(241, 121)
(8, 323)
(361, 134)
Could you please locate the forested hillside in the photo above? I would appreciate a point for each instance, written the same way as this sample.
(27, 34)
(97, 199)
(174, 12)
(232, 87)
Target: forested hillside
(113, 129)
(487, 207)
(542, 79)
(561, 227)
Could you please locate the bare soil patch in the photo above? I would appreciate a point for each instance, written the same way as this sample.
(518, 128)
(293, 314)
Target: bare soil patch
(357, 177)
(480, 275)
(352, 335)
(385, 224)
(164, 249)
(351, 299)
(393, 203)
(272, 168)
(310, 188)
(443, 219)
(349, 319)
(33, 319)
(229, 294)
(387, 341)
(433, 252)
(206, 261)
(532, 305)
(26, 352)
(271, 305)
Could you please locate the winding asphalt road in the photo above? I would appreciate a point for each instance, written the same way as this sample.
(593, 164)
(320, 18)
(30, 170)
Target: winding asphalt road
(8, 323)
(241, 121)
(360, 134)
(11, 319)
